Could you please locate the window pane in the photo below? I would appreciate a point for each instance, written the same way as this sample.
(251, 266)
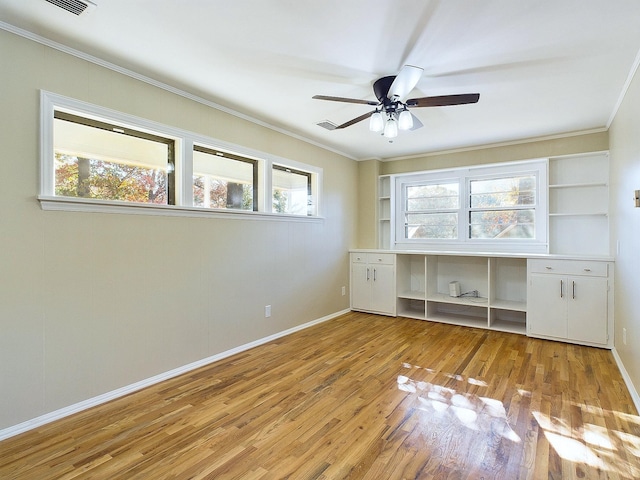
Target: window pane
(221, 182)
(92, 162)
(291, 191)
(503, 192)
(433, 197)
(431, 225)
(502, 224)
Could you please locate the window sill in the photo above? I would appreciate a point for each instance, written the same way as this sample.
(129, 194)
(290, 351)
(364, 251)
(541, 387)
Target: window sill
(70, 204)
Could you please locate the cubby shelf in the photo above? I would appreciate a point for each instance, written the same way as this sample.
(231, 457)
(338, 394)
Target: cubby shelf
(412, 295)
(579, 204)
(509, 305)
(422, 282)
(384, 211)
(446, 298)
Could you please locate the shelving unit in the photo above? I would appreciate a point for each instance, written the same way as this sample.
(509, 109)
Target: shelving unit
(560, 297)
(384, 211)
(579, 204)
(411, 286)
(501, 285)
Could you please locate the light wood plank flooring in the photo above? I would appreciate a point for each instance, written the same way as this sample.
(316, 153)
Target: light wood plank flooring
(359, 397)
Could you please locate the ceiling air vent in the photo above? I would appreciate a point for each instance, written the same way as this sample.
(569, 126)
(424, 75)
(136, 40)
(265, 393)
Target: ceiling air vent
(327, 124)
(74, 6)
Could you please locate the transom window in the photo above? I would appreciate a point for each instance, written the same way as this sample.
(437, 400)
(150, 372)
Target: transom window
(291, 191)
(224, 180)
(95, 159)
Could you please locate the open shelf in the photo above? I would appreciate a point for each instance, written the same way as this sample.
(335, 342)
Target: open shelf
(384, 212)
(580, 214)
(422, 290)
(509, 305)
(466, 315)
(509, 326)
(411, 308)
(579, 204)
(579, 185)
(445, 298)
(412, 295)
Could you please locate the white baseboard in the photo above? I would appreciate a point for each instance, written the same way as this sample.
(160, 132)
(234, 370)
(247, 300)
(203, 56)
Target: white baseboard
(627, 380)
(106, 397)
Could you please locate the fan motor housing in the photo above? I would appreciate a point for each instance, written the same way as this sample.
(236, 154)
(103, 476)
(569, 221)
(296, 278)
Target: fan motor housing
(381, 88)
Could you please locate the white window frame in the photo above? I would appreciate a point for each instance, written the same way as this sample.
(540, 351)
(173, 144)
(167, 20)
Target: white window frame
(539, 244)
(184, 143)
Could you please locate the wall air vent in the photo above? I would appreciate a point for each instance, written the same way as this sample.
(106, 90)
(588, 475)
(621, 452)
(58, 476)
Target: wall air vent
(73, 6)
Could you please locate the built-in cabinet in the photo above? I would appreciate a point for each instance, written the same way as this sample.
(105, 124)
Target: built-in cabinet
(373, 278)
(546, 297)
(579, 204)
(492, 290)
(384, 211)
(570, 300)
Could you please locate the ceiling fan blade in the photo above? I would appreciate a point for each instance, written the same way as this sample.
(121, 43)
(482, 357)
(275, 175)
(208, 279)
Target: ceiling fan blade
(416, 123)
(344, 99)
(404, 82)
(444, 100)
(354, 121)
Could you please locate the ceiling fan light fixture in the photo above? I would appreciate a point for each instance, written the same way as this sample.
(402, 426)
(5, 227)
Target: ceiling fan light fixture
(391, 128)
(405, 120)
(376, 123)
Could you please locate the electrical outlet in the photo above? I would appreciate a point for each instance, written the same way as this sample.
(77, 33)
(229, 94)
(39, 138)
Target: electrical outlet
(624, 336)
(344, 291)
(267, 311)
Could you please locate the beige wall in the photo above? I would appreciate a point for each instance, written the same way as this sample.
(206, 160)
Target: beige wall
(368, 172)
(91, 302)
(625, 221)
(592, 142)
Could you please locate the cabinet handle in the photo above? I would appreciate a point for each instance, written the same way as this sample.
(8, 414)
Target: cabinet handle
(573, 292)
(587, 269)
(374, 274)
(367, 274)
(561, 287)
(549, 268)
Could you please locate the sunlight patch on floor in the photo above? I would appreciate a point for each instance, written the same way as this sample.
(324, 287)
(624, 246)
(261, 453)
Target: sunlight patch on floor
(593, 445)
(472, 411)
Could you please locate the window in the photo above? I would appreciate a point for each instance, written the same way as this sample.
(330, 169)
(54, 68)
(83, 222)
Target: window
(224, 180)
(496, 207)
(502, 207)
(291, 191)
(95, 159)
(432, 210)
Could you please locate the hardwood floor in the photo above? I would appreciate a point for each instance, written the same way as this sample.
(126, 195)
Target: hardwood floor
(359, 397)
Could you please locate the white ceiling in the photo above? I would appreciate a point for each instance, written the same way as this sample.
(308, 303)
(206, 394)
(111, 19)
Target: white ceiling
(542, 67)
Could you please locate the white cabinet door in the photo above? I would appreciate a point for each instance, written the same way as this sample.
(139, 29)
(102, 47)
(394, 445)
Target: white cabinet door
(587, 312)
(360, 286)
(373, 283)
(383, 289)
(547, 306)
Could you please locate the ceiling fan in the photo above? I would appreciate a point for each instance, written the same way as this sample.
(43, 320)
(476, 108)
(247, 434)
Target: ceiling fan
(392, 109)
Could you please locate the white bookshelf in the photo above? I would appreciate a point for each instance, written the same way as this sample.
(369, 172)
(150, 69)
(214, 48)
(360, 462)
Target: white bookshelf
(501, 284)
(384, 211)
(579, 204)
